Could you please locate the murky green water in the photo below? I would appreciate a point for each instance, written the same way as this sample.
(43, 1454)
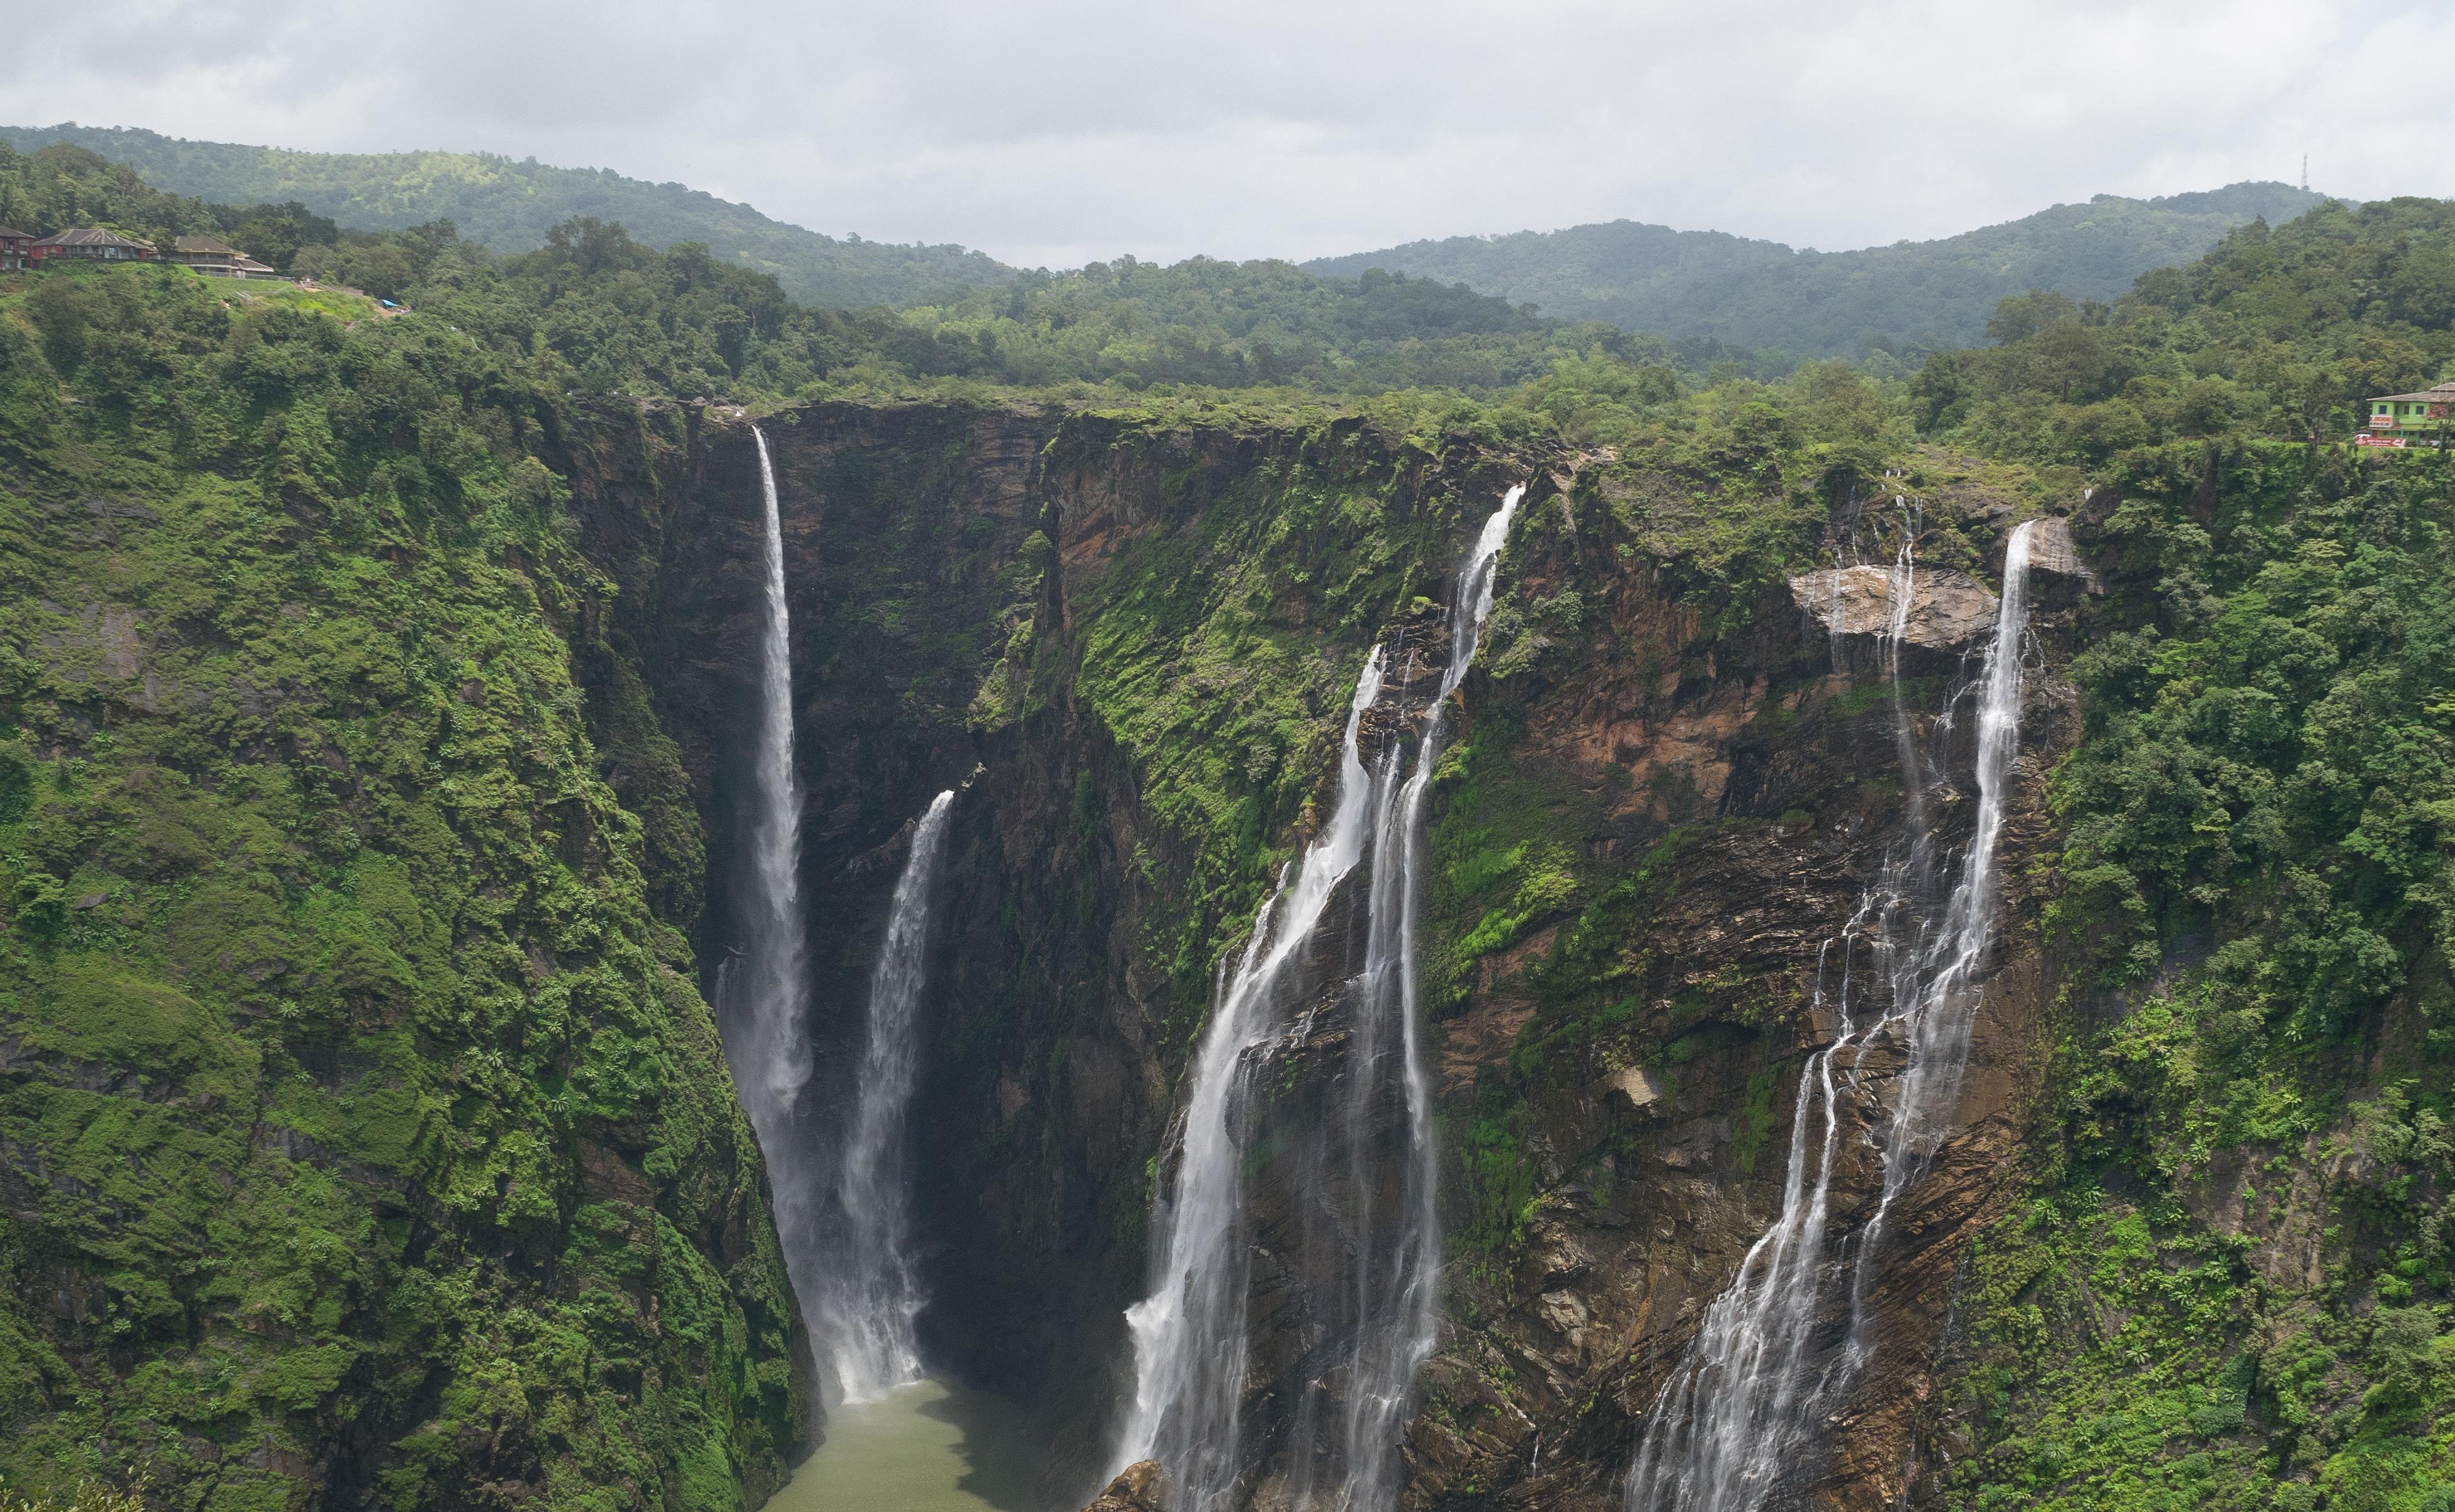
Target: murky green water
(931, 1447)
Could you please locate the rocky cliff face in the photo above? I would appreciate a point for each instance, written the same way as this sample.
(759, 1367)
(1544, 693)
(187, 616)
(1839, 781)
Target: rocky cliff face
(1736, 797)
(1675, 777)
(371, 721)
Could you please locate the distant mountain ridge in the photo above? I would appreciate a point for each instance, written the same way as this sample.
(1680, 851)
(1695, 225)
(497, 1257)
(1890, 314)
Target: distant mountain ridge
(1687, 285)
(1929, 296)
(510, 205)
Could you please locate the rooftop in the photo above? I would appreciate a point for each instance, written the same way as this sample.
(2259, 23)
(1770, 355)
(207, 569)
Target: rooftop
(207, 246)
(88, 236)
(2442, 394)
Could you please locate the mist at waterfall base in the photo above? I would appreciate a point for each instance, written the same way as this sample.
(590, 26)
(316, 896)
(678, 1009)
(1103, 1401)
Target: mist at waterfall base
(1365, 1198)
(1736, 1424)
(896, 1442)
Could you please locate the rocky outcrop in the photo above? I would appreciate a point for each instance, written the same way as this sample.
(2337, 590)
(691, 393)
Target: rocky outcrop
(1946, 610)
(2054, 551)
(1141, 1488)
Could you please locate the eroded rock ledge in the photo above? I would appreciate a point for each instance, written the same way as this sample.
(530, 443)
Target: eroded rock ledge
(1946, 611)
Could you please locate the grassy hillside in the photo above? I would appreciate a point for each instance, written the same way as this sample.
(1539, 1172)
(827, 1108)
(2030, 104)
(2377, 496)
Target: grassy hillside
(509, 205)
(1924, 295)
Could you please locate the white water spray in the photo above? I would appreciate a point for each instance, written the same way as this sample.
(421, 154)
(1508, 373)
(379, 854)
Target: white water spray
(1735, 1425)
(1189, 1334)
(870, 1294)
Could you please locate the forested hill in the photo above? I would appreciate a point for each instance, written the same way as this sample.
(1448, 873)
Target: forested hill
(509, 207)
(1920, 296)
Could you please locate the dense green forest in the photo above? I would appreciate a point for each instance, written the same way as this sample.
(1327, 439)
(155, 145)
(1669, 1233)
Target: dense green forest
(509, 205)
(628, 318)
(2277, 332)
(1906, 299)
(1711, 293)
(329, 967)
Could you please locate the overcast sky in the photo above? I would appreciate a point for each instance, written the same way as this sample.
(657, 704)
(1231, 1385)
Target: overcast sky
(1052, 132)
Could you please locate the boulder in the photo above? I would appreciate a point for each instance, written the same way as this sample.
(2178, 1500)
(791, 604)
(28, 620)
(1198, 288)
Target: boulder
(2051, 550)
(1141, 1488)
(1642, 1088)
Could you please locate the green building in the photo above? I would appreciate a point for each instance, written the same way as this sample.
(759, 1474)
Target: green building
(2412, 420)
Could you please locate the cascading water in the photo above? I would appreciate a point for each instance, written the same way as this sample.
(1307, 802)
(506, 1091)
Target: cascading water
(869, 1295)
(1732, 1427)
(1401, 1318)
(762, 990)
(1189, 1333)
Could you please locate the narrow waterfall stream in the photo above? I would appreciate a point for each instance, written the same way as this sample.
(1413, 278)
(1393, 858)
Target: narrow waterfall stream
(762, 992)
(1189, 1334)
(1735, 1424)
(870, 1294)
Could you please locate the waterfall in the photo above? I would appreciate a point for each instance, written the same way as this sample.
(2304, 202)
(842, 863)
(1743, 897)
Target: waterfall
(1401, 1320)
(761, 991)
(870, 1295)
(1189, 1333)
(1735, 1424)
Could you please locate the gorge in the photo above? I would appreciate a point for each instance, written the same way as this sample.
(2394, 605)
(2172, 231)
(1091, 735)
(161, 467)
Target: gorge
(1259, 1365)
(1415, 954)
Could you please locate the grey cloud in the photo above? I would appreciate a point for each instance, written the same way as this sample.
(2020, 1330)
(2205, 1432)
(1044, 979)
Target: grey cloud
(1068, 129)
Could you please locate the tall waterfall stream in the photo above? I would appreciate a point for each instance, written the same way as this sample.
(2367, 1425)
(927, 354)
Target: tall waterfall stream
(762, 993)
(1189, 1333)
(1736, 1424)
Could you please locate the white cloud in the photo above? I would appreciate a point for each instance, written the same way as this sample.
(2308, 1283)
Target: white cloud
(1059, 130)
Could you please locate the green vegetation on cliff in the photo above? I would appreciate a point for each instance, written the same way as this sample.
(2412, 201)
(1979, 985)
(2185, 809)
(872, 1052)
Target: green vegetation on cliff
(360, 1123)
(2229, 1283)
(2226, 1281)
(362, 1129)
